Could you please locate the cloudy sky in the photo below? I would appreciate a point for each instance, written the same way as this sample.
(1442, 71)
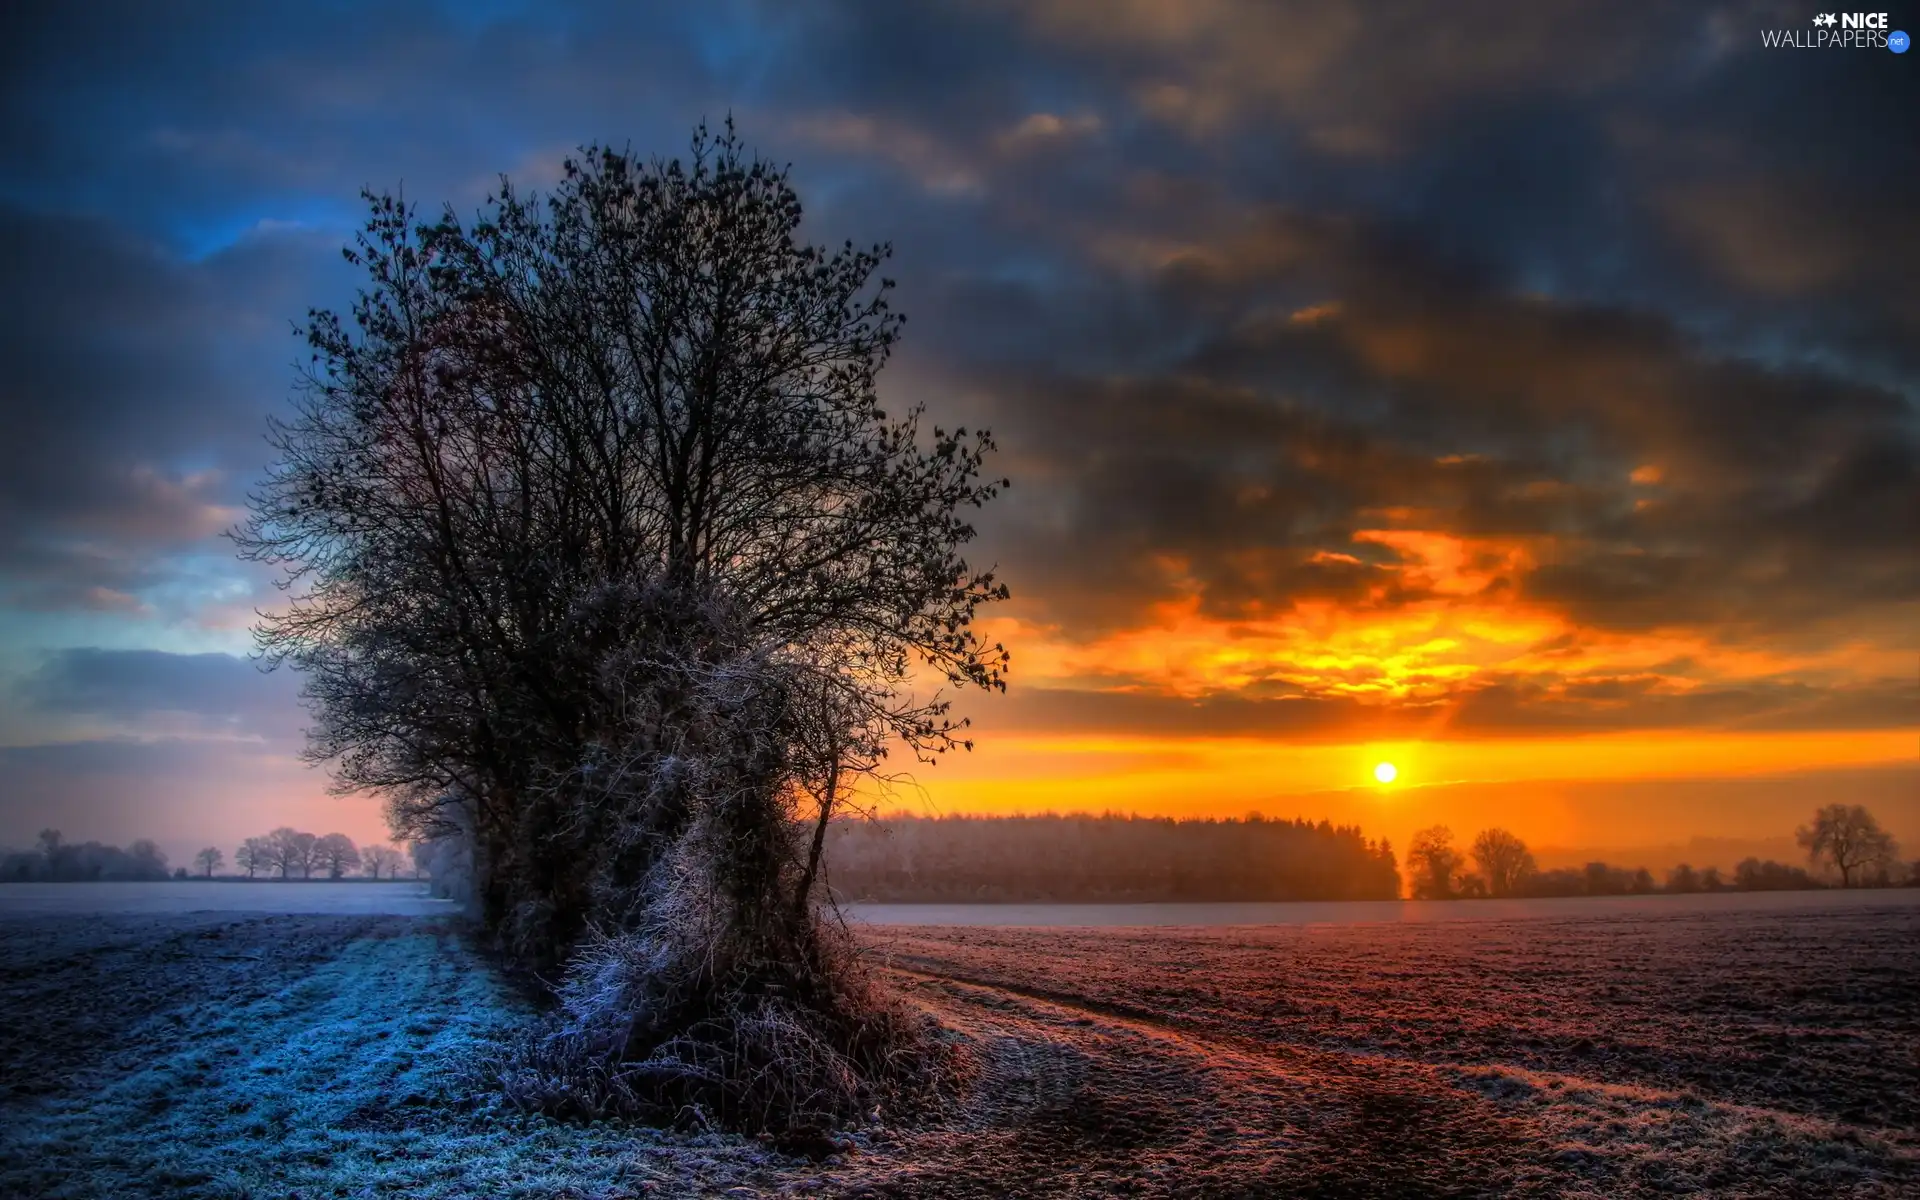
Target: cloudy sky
(1528, 395)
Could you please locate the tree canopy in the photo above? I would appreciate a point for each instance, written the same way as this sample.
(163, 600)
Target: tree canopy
(604, 558)
(1848, 839)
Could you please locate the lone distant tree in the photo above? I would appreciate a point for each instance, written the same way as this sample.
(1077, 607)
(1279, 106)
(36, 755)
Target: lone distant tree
(1504, 861)
(1847, 838)
(1683, 879)
(209, 860)
(1433, 864)
(337, 854)
(605, 557)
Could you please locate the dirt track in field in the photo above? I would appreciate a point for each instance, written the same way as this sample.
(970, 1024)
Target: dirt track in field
(1587, 1057)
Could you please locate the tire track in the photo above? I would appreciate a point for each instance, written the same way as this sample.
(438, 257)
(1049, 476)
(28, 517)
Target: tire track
(1071, 1098)
(1077, 1095)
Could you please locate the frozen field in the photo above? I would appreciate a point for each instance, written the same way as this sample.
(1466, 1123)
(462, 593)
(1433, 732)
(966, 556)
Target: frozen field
(401, 898)
(1585, 1050)
(410, 898)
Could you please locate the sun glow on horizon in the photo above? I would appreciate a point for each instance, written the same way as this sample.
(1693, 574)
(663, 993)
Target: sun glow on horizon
(1385, 772)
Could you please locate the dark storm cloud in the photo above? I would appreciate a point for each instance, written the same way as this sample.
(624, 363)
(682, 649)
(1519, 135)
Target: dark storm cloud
(183, 118)
(1778, 181)
(135, 398)
(176, 185)
(1557, 141)
(134, 686)
(1771, 495)
(1526, 277)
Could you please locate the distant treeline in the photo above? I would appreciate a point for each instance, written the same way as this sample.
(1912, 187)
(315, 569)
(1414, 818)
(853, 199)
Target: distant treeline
(289, 853)
(1605, 879)
(59, 861)
(1844, 843)
(1085, 858)
(286, 853)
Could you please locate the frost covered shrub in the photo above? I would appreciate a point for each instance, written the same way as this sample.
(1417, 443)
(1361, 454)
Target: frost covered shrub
(676, 1024)
(715, 990)
(448, 861)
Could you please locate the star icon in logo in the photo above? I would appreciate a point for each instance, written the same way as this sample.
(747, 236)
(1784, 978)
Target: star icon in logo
(1825, 19)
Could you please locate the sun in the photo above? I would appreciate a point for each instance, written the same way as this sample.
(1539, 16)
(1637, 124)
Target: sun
(1386, 772)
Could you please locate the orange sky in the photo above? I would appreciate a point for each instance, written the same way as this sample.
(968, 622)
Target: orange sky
(1588, 791)
(1406, 665)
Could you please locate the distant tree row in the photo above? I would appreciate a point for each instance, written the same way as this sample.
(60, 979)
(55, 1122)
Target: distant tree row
(286, 853)
(289, 853)
(54, 859)
(1845, 845)
(1082, 857)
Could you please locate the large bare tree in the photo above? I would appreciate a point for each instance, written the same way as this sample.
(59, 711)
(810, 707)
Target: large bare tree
(253, 855)
(595, 491)
(209, 860)
(1433, 864)
(337, 853)
(1503, 859)
(1847, 838)
(290, 850)
(381, 862)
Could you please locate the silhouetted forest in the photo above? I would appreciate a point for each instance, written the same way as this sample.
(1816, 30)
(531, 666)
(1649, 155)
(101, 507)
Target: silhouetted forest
(1749, 875)
(1080, 857)
(1087, 858)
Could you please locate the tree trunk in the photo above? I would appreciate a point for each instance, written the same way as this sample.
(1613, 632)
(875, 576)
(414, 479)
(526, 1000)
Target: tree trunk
(819, 836)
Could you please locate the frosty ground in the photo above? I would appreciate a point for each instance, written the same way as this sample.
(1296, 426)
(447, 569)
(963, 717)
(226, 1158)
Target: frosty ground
(1580, 1053)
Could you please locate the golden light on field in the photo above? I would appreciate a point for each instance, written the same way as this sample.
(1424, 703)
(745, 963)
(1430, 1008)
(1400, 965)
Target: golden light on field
(1385, 772)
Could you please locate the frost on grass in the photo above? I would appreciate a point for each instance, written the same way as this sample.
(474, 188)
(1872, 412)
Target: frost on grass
(1596, 1056)
(705, 1015)
(351, 1065)
(1613, 1139)
(221, 1055)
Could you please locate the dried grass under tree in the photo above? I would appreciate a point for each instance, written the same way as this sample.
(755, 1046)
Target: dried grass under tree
(604, 559)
